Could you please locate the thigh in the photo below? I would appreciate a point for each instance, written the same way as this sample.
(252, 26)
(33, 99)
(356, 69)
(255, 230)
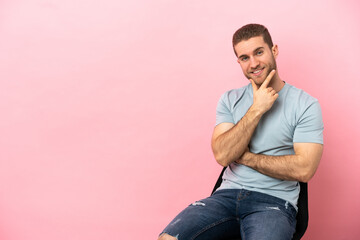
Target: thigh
(210, 218)
(269, 220)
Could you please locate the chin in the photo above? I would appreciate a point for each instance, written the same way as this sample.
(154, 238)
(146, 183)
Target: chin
(259, 80)
(259, 83)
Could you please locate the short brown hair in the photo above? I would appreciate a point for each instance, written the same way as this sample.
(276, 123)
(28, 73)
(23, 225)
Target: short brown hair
(249, 31)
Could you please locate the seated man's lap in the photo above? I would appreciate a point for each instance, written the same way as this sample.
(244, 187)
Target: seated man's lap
(225, 214)
(266, 217)
(209, 218)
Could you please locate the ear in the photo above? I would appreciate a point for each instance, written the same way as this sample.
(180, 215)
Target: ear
(275, 51)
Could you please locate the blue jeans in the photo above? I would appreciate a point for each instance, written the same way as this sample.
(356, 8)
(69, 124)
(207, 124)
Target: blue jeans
(230, 213)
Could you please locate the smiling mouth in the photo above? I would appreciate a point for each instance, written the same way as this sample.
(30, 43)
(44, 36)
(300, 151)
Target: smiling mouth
(258, 72)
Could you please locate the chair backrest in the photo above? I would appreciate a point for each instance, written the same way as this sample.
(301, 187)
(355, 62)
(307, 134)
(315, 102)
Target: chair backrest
(302, 216)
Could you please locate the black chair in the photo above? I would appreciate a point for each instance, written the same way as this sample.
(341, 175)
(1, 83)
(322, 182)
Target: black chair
(302, 216)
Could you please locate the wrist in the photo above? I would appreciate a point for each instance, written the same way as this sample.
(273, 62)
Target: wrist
(256, 111)
(244, 158)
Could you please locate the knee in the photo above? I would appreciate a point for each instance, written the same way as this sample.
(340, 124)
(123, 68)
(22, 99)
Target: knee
(166, 236)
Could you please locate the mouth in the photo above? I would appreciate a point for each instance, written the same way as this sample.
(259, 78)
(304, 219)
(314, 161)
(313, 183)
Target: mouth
(257, 72)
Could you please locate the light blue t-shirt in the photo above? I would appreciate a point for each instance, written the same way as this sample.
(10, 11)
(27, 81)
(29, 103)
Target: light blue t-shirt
(294, 117)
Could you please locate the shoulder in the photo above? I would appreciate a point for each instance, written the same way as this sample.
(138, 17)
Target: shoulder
(234, 95)
(300, 105)
(299, 97)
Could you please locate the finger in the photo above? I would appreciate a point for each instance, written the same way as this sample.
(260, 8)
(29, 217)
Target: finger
(268, 79)
(255, 87)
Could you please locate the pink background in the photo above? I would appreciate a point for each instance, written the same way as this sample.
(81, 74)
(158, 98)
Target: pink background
(107, 109)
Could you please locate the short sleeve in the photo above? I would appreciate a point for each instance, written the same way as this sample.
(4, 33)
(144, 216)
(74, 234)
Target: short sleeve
(223, 112)
(310, 125)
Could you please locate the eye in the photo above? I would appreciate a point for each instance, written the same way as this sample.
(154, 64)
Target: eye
(260, 52)
(244, 59)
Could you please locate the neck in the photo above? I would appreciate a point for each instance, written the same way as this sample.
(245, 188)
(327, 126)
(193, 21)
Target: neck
(276, 83)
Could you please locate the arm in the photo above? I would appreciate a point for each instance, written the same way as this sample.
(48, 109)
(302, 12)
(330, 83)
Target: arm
(229, 141)
(298, 167)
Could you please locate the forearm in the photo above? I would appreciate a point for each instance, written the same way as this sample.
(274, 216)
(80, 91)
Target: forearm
(230, 145)
(287, 167)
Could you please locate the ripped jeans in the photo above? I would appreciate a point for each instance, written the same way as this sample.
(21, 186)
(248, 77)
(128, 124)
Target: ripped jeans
(231, 213)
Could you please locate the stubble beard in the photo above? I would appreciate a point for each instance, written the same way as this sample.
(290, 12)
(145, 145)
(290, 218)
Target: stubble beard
(267, 71)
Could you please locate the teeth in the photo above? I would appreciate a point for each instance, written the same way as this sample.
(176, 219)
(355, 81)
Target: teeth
(257, 71)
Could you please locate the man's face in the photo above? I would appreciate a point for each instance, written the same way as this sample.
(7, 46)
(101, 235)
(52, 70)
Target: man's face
(256, 58)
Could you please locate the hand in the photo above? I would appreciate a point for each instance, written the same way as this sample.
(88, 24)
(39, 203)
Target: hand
(264, 96)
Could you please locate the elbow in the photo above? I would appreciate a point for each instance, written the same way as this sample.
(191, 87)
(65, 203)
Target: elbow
(222, 163)
(303, 179)
(220, 159)
(305, 176)
(218, 154)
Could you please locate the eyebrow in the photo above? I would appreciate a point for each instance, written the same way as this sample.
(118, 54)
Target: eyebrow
(244, 55)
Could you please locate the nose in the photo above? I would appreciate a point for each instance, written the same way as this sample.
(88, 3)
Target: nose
(254, 63)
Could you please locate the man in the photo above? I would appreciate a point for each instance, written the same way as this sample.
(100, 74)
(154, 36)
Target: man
(269, 134)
